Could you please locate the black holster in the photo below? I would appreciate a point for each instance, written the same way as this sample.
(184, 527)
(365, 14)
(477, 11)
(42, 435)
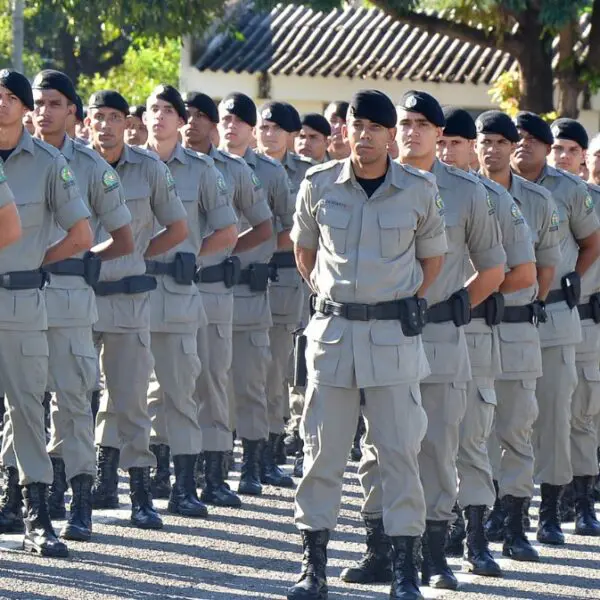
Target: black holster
(184, 268)
(571, 286)
(595, 307)
(92, 264)
(461, 309)
(494, 309)
(300, 375)
(258, 277)
(414, 316)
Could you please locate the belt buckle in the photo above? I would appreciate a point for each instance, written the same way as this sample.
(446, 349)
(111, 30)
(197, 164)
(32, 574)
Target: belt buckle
(356, 312)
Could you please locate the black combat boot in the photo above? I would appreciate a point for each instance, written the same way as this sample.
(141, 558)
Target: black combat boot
(105, 494)
(435, 570)
(376, 564)
(56, 498)
(11, 503)
(586, 522)
(516, 545)
(250, 476)
(79, 525)
(494, 525)
(456, 534)
(161, 479)
(143, 514)
(199, 467)
(356, 451)
(478, 553)
(46, 402)
(312, 584)
(406, 555)
(526, 517)
(290, 441)
(299, 460)
(39, 534)
(280, 453)
(549, 531)
(215, 491)
(184, 498)
(95, 402)
(270, 473)
(566, 504)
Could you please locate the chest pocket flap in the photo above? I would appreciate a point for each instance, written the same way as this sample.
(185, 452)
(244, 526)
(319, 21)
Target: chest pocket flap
(334, 227)
(396, 232)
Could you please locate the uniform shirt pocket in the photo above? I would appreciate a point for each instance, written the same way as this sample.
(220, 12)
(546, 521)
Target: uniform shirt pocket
(394, 355)
(324, 345)
(31, 212)
(519, 349)
(396, 232)
(334, 227)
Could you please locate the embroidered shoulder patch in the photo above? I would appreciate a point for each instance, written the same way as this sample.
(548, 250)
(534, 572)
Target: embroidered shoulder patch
(110, 180)
(67, 177)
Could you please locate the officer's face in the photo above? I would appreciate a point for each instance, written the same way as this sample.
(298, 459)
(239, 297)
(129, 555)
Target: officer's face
(271, 138)
(28, 122)
(198, 128)
(368, 140)
(82, 131)
(337, 124)
(12, 110)
(494, 151)
(312, 143)
(417, 137)
(162, 120)
(593, 162)
(530, 153)
(136, 133)
(51, 111)
(455, 151)
(567, 155)
(107, 127)
(234, 132)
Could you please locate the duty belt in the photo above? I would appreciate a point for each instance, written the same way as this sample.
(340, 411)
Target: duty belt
(283, 260)
(135, 284)
(37, 279)
(182, 269)
(591, 310)
(556, 296)
(409, 311)
(456, 310)
(257, 276)
(87, 267)
(228, 272)
(533, 313)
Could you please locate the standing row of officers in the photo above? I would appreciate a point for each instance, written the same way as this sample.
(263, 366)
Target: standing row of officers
(453, 309)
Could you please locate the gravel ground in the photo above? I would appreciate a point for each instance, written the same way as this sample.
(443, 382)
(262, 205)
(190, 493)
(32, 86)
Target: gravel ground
(254, 552)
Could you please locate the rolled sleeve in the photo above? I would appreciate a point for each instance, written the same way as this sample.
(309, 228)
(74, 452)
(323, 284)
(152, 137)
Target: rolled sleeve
(548, 257)
(215, 200)
(258, 212)
(305, 230)
(519, 253)
(108, 200)
(64, 196)
(166, 204)
(584, 220)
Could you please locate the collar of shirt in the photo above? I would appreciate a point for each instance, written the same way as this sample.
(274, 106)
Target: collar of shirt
(129, 156)
(393, 177)
(515, 189)
(25, 144)
(440, 170)
(250, 157)
(288, 162)
(67, 149)
(547, 171)
(179, 155)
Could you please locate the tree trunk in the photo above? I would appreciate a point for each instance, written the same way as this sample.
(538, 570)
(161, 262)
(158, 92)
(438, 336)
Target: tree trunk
(567, 71)
(535, 62)
(18, 26)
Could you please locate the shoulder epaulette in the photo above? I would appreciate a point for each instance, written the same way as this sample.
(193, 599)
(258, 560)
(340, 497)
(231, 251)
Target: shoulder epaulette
(540, 190)
(51, 150)
(462, 173)
(198, 156)
(332, 164)
(430, 177)
(144, 152)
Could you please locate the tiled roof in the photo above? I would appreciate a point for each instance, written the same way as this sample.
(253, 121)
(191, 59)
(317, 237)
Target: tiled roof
(351, 42)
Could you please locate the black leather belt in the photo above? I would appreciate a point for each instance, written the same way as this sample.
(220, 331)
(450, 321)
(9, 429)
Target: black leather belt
(68, 266)
(590, 310)
(37, 279)
(135, 284)
(556, 296)
(382, 311)
(283, 260)
(519, 314)
(156, 267)
(228, 272)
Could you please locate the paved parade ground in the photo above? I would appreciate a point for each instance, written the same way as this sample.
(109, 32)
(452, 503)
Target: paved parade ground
(254, 552)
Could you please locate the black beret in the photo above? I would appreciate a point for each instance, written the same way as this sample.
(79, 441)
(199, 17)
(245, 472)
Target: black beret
(535, 126)
(109, 99)
(205, 104)
(297, 122)
(79, 112)
(570, 129)
(425, 104)
(495, 121)
(137, 110)
(278, 113)
(375, 106)
(340, 109)
(459, 123)
(167, 93)
(18, 85)
(49, 79)
(241, 106)
(317, 122)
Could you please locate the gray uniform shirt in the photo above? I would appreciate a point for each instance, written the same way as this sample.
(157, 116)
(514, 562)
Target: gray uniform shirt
(577, 220)
(45, 192)
(174, 307)
(473, 233)
(368, 251)
(70, 301)
(252, 309)
(150, 193)
(6, 195)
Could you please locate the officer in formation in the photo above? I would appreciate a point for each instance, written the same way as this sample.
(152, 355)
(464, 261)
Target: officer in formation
(136, 132)
(313, 138)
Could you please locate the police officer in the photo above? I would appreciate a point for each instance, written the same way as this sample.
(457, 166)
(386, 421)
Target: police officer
(71, 305)
(48, 196)
(122, 295)
(176, 305)
(335, 113)
(313, 139)
(476, 490)
(136, 132)
(74, 119)
(296, 126)
(369, 278)
(580, 247)
(568, 150)
(252, 315)
(10, 223)
(218, 274)
(518, 340)
(286, 295)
